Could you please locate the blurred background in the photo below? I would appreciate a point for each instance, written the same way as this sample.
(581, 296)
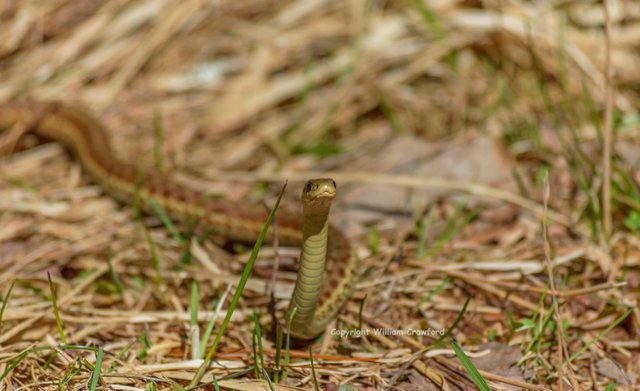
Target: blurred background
(494, 92)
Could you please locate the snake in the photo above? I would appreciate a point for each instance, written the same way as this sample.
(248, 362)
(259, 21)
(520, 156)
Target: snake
(327, 265)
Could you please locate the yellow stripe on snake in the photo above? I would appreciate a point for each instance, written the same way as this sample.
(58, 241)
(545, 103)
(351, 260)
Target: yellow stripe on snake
(322, 287)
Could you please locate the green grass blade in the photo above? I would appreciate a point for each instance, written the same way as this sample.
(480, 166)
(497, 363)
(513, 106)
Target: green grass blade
(287, 349)
(277, 369)
(155, 262)
(374, 241)
(14, 363)
(256, 368)
(56, 312)
(272, 387)
(5, 300)
(434, 291)
(119, 356)
(215, 382)
(158, 139)
(137, 200)
(195, 330)
(212, 321)
(194, 303)
(164, 217)
(422, 228)
(471, 369)
(258, 339)
(177, 386)
(393, 118)
(360, 310)
(429, 18)
(114, 275)
(452, 228)
(236, 297)
(146, 345)
(313, 371)
(539, 330)
(72, 371)
(95, 377)
(454, 324)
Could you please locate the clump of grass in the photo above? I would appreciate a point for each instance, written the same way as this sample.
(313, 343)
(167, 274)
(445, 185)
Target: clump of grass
(155, 260)
(146, 345)
(454, 225)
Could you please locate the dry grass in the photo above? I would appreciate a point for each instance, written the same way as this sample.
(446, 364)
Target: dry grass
(254, 92)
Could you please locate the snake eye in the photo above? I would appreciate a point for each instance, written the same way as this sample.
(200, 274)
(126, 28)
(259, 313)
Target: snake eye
(308, 187)
(334, 184)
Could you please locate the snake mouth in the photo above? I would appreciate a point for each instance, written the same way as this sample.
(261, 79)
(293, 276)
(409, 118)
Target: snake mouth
(323, 196)
(326, 193)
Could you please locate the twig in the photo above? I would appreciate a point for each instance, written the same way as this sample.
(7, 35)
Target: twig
(562, 346)
(476, 189)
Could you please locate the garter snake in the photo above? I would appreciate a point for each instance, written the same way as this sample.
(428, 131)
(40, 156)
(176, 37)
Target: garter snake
(322, 288)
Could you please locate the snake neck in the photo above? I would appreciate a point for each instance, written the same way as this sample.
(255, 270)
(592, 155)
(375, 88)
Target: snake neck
(308, 286)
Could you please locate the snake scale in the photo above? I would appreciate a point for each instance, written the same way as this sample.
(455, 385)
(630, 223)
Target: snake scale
(322, 288)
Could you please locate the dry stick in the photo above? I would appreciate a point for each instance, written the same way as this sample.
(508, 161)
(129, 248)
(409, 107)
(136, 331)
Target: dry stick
(563, 293)
(606, 164)
(552, 285)
(403, 369)
(562, 346)
(502, 294)
(476, 189)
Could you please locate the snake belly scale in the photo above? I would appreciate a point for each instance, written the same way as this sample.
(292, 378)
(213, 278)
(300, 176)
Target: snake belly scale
(322, 287)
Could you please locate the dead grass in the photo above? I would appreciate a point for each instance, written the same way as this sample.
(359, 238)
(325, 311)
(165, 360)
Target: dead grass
(444, 123)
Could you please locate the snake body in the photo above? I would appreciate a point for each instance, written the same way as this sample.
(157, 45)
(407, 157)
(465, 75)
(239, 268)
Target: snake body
(322, 288)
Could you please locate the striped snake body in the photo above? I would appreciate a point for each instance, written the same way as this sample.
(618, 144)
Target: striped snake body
(322, 288)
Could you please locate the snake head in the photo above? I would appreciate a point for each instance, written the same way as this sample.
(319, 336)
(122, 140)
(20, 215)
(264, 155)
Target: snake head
(317, 194)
